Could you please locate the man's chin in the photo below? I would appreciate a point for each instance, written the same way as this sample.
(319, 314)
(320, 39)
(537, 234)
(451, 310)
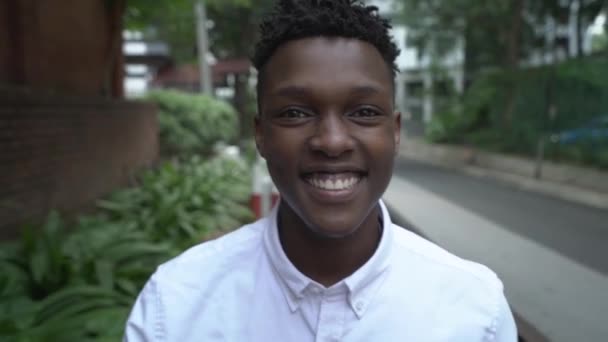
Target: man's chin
(327, 222)
(329, 232)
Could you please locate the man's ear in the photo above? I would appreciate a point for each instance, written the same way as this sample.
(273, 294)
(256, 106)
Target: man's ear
(259, 136)
(397, 131)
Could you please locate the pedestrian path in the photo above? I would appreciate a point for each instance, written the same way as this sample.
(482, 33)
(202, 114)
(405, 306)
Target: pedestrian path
(563, 299)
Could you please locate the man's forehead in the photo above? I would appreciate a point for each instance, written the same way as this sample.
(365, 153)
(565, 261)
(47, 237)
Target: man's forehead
(310, 59)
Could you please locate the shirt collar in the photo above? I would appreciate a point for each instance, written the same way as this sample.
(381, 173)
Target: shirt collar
(362, 284)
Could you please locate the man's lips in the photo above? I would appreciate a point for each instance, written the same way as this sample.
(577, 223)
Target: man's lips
(333, 181)
(332, 169)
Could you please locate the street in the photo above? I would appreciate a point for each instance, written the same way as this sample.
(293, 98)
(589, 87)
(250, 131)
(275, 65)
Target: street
(549, 253)
(575, 231)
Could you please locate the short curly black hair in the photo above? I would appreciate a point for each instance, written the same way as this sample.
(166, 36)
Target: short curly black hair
(297, 19)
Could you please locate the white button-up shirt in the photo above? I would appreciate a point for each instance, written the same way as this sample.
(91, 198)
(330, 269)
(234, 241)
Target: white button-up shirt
(242, 287)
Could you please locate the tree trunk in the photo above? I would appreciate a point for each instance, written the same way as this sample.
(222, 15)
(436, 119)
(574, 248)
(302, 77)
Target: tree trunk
(241, 82)
(512, 58)
(469, 56)
(579, 31)
(514, 34)
(114, 69)
(240, 104)
(12, 18)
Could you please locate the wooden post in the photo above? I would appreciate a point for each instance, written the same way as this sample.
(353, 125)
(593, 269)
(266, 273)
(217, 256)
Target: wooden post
(203, 47)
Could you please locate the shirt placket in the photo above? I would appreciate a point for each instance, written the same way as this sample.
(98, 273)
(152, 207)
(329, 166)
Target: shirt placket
(331, 319)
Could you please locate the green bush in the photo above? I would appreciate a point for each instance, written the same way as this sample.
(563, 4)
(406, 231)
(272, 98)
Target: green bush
(447, 127)
(77, 286)
(578, 90)
(77, 282)
(465, 114)
(601, 158)
(184, 201)
(582, 153)
(249, 151)
(193, 123)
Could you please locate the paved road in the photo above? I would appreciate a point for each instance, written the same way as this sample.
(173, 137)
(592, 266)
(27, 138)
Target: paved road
(575, 231)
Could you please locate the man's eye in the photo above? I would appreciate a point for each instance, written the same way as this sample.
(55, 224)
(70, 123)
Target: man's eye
(294, 114)
(364, 113)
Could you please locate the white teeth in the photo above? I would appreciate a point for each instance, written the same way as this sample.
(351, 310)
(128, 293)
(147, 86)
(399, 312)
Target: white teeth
(321, 184)
(340, 184)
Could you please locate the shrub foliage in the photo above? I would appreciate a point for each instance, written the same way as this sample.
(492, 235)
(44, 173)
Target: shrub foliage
(77, 282)
(193, 123)
(576, 90)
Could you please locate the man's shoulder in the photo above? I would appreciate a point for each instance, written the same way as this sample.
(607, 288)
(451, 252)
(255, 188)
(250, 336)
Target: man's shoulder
(206, 260)
(467, 298)
(435, 259)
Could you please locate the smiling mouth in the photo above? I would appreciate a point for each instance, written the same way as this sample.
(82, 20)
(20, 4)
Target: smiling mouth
(326, 181)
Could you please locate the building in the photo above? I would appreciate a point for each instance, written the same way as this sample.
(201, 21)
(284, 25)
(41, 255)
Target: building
(67, 136)
(186, 77)
(416, 85)
(143, 60)
(420, 89)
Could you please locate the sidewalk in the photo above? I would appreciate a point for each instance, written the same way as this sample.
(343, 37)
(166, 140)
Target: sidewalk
(571, 183)
(564, 300)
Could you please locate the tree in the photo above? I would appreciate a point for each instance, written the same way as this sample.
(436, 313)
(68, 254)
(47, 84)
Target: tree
(600, 42)
(560, 10)
(233, 29)
(496, 33)
(172, 21)
(490, 29)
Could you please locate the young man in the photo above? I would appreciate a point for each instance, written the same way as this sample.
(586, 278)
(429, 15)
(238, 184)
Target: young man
(327, 264)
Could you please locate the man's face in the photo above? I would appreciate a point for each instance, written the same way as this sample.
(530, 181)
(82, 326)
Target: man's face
(328, 131)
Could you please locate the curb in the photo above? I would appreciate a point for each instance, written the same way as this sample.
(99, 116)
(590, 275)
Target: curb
(584, 186)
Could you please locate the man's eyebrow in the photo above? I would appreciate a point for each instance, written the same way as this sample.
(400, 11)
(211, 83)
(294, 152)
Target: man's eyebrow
(365, 90)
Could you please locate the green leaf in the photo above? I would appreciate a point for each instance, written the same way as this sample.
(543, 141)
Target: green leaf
(78, 299)
(39, 267)
(104, 270)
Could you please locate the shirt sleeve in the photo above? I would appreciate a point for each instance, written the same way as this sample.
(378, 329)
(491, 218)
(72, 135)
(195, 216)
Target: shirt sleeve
(504, 329)
(145, 321)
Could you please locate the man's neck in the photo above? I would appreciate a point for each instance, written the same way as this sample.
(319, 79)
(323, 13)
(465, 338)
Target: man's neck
(328, 260)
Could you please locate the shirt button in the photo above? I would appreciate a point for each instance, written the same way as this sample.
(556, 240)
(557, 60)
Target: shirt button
(359, 306)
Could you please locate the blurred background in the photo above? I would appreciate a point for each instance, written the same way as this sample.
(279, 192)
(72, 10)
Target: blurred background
(126, 137)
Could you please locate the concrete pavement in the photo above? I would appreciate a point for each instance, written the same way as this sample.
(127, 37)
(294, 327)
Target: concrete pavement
(576, 231)
(568, 182)
(563, 298)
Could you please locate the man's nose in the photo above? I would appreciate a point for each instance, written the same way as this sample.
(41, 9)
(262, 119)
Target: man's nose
(332, 136)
